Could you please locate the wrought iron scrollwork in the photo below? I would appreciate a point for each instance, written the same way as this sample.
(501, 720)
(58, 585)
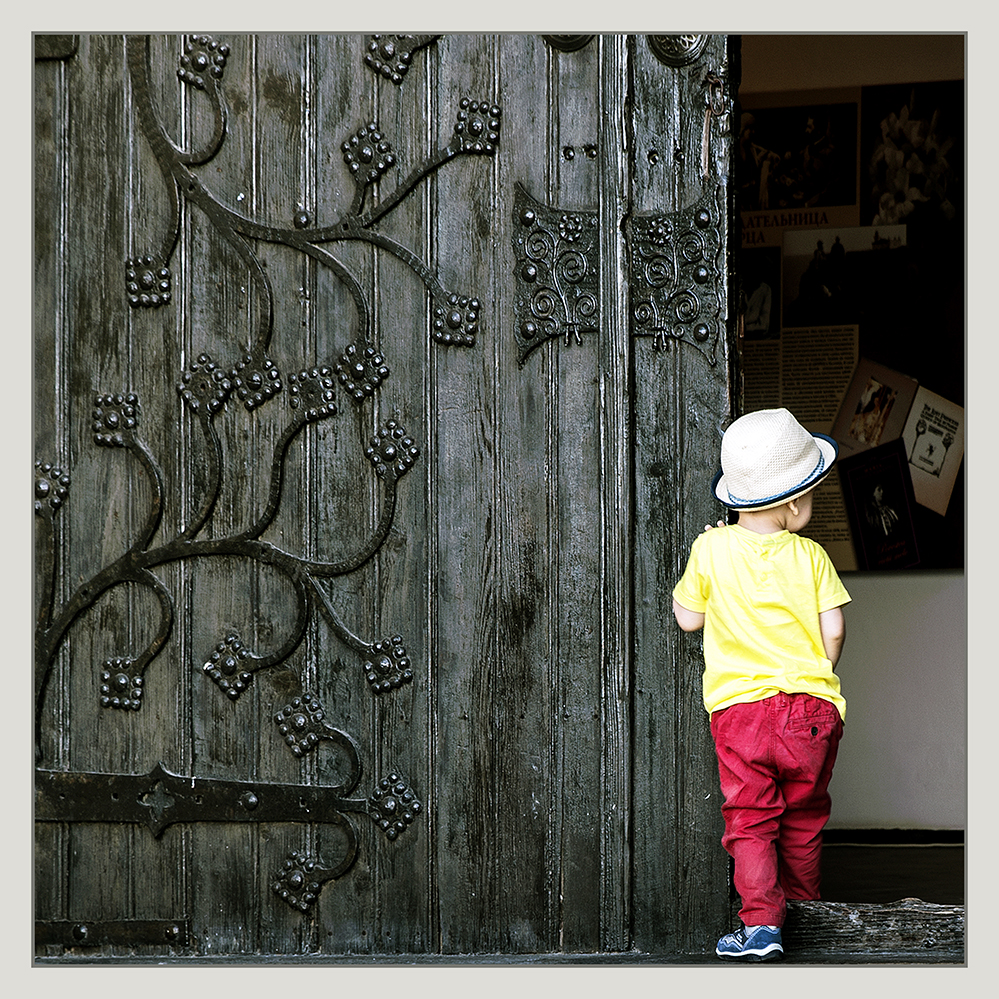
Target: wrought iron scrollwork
(677, 50)
(558, 281)
(210, 385)
(676, 276)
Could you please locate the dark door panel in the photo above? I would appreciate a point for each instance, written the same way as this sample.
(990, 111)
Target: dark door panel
(374, 378)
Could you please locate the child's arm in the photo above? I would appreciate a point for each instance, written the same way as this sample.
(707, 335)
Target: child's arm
(687, 619)
(832, 624)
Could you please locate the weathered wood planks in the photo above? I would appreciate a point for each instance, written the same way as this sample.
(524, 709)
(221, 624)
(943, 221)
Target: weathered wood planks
(552, 731)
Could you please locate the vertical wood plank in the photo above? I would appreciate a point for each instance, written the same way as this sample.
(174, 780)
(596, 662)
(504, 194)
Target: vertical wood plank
(528, 777)
(51, 101)
(283, 148)
(574, 431)
(97, 359)
(681, 402)
(464, 523)
(616, 507)
(347, 501)
(158, 731)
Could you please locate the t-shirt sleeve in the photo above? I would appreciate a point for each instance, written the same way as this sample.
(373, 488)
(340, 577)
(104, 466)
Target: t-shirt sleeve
(691, 590)
(829, 587)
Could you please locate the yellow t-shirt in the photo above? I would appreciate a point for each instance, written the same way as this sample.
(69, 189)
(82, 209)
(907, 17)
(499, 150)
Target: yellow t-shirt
(761, 596)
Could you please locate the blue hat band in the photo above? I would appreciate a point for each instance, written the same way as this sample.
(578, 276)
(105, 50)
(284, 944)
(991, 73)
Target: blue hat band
(740, 501)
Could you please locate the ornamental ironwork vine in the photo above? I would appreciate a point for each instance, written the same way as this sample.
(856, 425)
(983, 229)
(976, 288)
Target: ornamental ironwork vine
(391, 55)
(209, 385)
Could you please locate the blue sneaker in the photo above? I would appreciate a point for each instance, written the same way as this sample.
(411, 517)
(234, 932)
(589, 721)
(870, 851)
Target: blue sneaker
(760, 944)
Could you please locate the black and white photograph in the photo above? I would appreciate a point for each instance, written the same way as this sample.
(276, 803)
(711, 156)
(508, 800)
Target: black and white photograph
(879, 502)
(761, 284)
(797, 157)
(832, 276)
(874, 407)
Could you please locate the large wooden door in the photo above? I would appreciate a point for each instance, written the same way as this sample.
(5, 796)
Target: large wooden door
(378, 381)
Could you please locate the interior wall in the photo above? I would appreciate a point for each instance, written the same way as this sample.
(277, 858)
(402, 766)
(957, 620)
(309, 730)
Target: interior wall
(772, 63)
(903, 759)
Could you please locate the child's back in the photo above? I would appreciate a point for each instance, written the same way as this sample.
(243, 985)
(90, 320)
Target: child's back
(761, 595)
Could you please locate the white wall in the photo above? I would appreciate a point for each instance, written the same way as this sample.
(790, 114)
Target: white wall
(903, 759)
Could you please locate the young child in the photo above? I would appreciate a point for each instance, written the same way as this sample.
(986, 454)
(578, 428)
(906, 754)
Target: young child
(770, 605)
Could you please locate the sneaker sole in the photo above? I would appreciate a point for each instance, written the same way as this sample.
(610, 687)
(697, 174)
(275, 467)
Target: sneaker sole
(771, 955)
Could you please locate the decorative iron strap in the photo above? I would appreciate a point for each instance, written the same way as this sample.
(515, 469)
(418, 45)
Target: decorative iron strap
(676, 275)
(161, 798)
(114, 932)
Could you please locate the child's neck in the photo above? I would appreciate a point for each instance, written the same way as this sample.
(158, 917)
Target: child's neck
(764, 521)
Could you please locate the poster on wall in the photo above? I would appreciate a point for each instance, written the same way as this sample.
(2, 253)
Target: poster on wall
(808, 371)
(934, 444)
(761, 288)
(912, 155)
(830, 523)
(796, 163)
(874, 408)
(912, 174)
(852, 292)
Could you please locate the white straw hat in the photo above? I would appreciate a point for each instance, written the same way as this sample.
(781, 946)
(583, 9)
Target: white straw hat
(768, 458)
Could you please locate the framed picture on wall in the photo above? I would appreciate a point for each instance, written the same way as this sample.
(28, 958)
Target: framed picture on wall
(879, 501)
(874, 409)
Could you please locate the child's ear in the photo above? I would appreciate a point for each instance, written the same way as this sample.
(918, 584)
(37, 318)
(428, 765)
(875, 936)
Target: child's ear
(793, 507)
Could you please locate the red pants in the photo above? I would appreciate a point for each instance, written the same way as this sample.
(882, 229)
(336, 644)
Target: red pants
(775, 758)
